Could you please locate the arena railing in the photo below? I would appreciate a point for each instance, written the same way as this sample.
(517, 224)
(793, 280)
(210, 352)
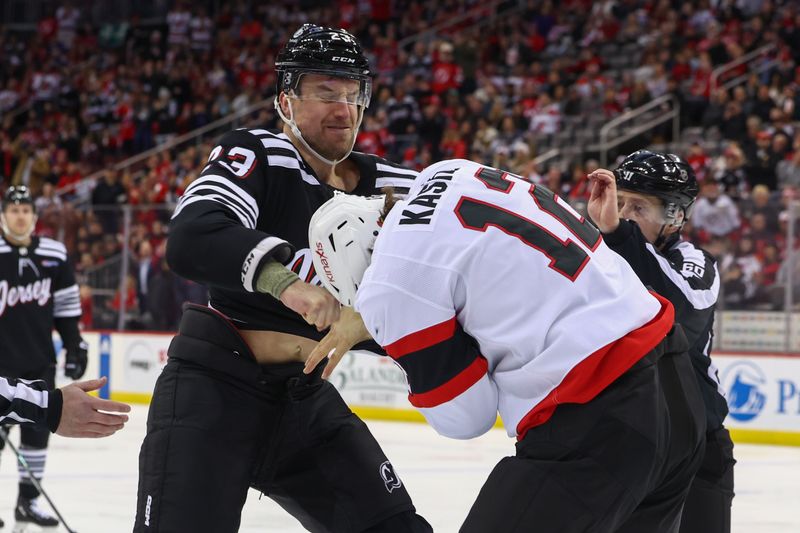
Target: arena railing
(613, 133)
(83, 188)
(756, 61)
(496, 9)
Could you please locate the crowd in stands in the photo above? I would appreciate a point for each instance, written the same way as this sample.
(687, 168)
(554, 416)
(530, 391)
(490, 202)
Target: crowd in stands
(501, 84)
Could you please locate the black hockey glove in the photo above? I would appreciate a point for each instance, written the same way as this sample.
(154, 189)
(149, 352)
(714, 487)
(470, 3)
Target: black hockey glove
(76, 360)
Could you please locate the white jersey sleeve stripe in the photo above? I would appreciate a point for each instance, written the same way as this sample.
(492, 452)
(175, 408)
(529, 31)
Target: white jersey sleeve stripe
(51, 253)
(224, 197)
(232, 190)
(189, 200)
(294, 164)
(52, 243)
(412, 174)
(67, 302)
(699, 298)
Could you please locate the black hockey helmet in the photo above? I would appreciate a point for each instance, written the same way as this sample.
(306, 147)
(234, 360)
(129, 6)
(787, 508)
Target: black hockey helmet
(16, 195)
(665, 176)
(328, 51)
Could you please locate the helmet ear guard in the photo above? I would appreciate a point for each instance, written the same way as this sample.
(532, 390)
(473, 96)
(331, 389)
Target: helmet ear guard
(341, 236)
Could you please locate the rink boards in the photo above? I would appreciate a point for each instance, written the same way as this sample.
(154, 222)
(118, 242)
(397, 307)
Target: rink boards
(763, 390)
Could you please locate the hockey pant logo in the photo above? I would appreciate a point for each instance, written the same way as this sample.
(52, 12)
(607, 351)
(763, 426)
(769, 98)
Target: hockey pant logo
(389, 477)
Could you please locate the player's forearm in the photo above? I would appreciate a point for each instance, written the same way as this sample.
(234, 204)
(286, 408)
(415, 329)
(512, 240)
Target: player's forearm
(69, 331)
(209, 248)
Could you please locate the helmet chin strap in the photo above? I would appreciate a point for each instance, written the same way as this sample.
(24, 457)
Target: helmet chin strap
(19, 237)
(296, 132)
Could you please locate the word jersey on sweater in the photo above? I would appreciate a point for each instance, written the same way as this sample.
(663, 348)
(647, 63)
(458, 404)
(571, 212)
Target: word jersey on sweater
(253, 201)
(494, 295)
(37, 286)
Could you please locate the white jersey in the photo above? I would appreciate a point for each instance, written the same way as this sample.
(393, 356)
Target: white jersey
(493, 295)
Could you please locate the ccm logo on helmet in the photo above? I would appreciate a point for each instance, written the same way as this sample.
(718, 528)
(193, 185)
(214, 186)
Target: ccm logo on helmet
(324, 260)
(341, 59)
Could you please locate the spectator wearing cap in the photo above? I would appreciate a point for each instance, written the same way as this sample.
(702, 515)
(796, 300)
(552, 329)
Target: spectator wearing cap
(445, 73)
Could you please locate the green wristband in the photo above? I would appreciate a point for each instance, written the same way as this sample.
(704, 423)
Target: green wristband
(273, 278)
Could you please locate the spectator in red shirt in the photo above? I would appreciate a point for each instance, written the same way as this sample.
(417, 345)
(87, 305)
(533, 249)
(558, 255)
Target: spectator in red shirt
(445, 73)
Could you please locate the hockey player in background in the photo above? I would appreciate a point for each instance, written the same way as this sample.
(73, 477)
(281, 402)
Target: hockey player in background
(493, 295)
(641, 208)
(38, 293)
(232, 409)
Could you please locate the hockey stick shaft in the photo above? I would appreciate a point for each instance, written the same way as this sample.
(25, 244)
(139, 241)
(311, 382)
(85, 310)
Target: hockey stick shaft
(35, 481)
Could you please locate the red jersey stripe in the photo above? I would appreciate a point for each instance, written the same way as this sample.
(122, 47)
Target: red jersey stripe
(422, 339)
(449, 390)
(591, 376)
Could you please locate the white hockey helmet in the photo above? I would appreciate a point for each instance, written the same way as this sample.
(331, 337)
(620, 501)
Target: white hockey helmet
(341, 236)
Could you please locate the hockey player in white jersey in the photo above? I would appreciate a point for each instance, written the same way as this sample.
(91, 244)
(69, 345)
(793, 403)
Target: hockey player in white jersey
(641, 208)
(494, 296)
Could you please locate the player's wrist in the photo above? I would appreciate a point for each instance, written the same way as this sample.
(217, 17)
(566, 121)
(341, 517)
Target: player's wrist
(274, 279)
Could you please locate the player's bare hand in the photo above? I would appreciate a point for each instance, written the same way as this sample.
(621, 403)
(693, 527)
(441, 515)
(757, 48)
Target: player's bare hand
(602, 206)
(345, 333)
(316, 305)
(83, 415)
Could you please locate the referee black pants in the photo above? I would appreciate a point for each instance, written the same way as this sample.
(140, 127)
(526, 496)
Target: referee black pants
(219, 423)
(623, 462)
(708, 506)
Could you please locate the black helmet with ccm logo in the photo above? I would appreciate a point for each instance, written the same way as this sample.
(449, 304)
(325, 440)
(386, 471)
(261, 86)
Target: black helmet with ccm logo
(317, 50)
(665, 176)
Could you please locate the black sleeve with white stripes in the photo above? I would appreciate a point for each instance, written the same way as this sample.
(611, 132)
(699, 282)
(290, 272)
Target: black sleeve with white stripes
(687, 276)
(213, 237)
(388, 174)
(66, 295)
(29, 402)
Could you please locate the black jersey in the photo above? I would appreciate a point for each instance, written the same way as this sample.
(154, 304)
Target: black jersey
(687, 276)
(253, 201)
(37, 286)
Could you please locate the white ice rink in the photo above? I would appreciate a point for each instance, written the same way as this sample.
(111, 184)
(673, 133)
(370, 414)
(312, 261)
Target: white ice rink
(93, 482)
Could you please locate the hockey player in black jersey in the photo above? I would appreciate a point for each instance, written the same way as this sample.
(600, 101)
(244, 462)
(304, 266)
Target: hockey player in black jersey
(641, 208)
(38, 293)
(232, 408)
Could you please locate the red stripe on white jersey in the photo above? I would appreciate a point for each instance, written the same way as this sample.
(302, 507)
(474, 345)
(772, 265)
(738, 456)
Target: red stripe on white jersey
(591, 376)
(419, 340)
(456, 386)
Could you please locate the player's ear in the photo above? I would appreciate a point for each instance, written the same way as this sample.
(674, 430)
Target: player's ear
(283, 101)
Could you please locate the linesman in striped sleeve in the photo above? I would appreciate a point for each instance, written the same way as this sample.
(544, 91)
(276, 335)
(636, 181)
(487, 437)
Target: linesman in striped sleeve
(233, 409)
(641, 207)
(38, 293)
